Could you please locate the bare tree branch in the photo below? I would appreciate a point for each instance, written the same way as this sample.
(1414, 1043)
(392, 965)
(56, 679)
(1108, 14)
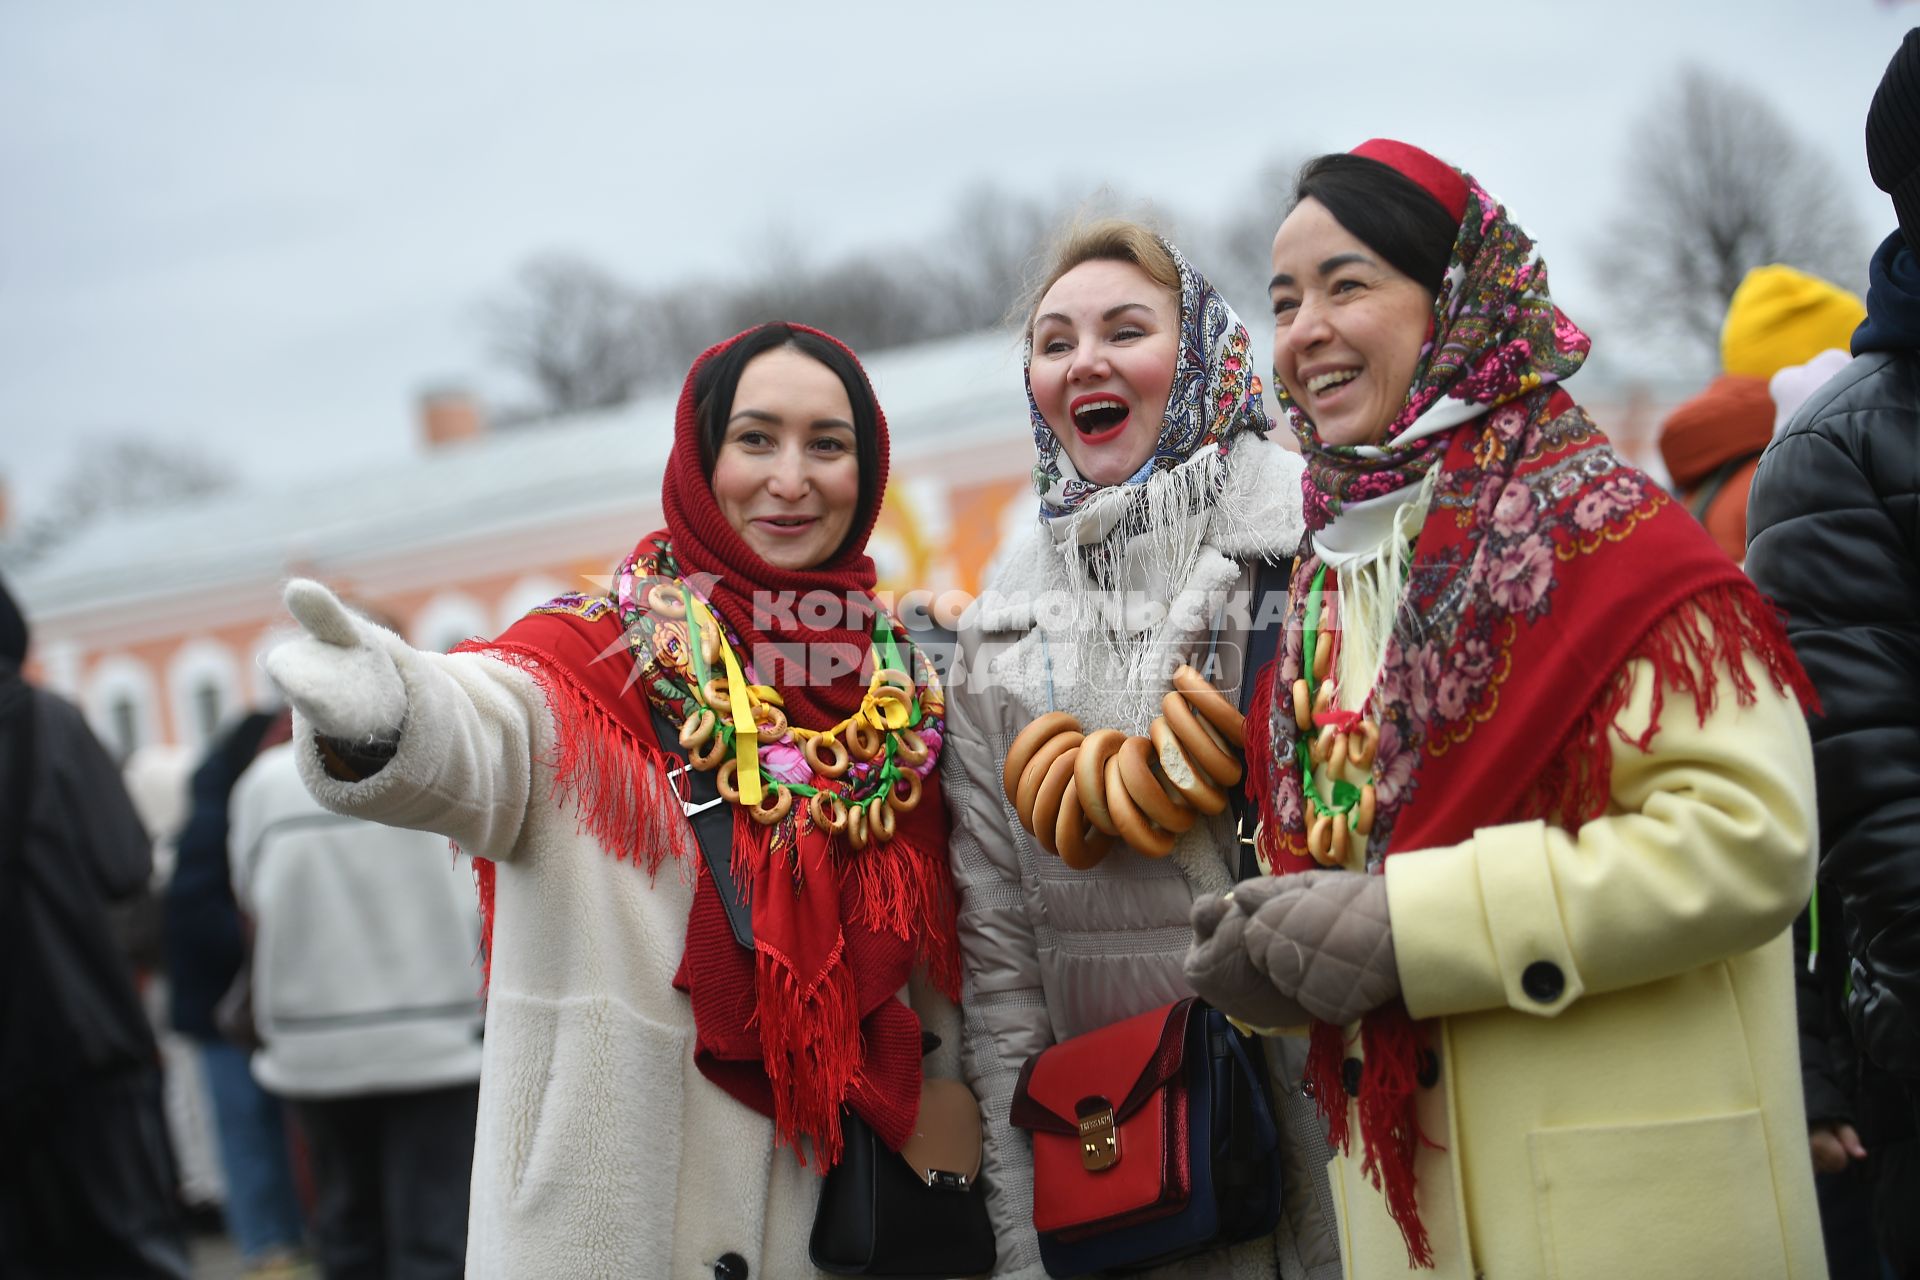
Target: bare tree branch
(117, 475)
(1717, 184)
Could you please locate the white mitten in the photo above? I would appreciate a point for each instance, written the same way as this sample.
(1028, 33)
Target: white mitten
(340, 675)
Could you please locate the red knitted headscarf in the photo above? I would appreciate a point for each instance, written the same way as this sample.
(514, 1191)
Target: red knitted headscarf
(706, 544)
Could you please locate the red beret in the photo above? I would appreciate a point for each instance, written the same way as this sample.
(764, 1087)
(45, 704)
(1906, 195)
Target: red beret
(1435, 176)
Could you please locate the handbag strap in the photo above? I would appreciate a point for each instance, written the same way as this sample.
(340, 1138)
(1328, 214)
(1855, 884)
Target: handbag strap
(1262, 644)
(711, 818)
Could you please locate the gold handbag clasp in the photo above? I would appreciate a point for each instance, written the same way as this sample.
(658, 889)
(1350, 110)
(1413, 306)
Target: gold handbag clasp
(1099, 1144)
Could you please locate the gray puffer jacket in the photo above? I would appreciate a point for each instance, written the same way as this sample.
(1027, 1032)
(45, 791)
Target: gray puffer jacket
(1052, 952)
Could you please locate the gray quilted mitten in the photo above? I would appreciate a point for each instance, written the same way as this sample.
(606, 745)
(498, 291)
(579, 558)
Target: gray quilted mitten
(1325, 939)
(1222, 973)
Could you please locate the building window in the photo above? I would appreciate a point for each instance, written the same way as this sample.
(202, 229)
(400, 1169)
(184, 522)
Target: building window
(206, 708)
(122, 715)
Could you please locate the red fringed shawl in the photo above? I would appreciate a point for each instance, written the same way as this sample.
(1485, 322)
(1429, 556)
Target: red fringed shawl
(1545, 569)
(806, 1023)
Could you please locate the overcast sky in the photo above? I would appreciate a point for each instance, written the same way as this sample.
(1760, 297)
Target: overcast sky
(265, 227)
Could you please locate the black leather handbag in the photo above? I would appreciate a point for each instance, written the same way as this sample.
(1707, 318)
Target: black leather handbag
(904, 1213)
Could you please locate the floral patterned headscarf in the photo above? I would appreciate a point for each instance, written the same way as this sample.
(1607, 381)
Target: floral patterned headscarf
(1215, 397)
(1494, 336)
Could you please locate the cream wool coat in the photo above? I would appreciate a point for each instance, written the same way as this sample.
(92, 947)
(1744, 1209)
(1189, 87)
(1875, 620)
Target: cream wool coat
(1618, 1092)
(601, 1150)
(1052, 952)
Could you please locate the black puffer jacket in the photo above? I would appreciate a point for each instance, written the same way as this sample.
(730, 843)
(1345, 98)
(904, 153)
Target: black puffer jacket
(1834, 538)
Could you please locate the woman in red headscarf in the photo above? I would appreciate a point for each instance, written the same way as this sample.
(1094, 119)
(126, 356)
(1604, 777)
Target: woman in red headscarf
(651, 1038)
(1535, 786)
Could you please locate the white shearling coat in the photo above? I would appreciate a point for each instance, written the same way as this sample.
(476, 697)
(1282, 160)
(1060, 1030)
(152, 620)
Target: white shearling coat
(601, 1150)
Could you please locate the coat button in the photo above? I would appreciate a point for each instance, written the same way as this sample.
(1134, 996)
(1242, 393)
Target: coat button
(730, 1266)
(1543, 981)
(1350, 1077)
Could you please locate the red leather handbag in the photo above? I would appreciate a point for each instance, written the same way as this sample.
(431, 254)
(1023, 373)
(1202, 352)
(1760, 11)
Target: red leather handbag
(1153, 1139)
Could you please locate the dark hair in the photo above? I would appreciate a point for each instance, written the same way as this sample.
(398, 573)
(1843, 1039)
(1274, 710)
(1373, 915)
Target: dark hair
(1385, 210)
(719, 378)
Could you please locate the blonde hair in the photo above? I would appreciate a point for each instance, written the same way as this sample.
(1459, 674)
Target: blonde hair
(1107, 240)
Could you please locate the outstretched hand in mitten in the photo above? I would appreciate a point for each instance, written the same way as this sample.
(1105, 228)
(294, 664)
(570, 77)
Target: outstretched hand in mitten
(1324, 939)
(1221, 971)
(340, 673)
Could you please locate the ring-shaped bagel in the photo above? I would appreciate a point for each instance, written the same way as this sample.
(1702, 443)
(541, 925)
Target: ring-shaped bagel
(1320, 839)
(825, 756)
(891, 693)
(1342, 839)
(772, 721)
(697, 728)
(1193, 785)
(1163, 808)
(767, 814)
(1048, 797)
(1367, 749)
(1212, 705)
(664, 599)
(725, 780)
(1079, 845)
(1030, 740)
(1028, 787)
(1204, 747)
(908, 802)
(909, 748)
(1302, 705)
(863, 740)
(892, 678)
(1322, 655)
(1363, 811)
(1323, 698)
(1140, 835)
(710, 645)
(857, 826)
(1317, 749)
(710, 753)
(829, 811)
(880, 820)
(1337, 754)
(716, 694)
(1090, 776)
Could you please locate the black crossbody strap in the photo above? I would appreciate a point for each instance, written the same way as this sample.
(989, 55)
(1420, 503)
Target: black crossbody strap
(711, 818)
(1263, 642)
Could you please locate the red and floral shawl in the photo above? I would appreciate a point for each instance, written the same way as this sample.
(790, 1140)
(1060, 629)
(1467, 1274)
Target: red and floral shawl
(807, 1022)
(1546, 567)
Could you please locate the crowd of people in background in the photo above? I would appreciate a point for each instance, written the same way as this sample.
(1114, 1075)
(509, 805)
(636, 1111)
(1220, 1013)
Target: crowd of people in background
(1565, 888)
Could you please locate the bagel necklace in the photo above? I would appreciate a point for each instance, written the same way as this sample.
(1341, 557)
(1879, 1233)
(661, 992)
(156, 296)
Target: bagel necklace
(1075, 791)
(1332, 739)
(855, 777)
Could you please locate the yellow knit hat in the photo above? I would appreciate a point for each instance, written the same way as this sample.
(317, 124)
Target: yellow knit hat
(1781, 317)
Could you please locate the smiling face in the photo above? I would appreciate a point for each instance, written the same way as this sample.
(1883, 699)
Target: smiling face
(1348, 327)
(1105, 342)
(786, 475)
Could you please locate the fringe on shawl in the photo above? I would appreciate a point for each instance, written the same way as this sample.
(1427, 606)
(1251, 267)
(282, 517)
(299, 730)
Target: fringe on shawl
(619, 785)
(1393, 1046)
(810, 1047)
(1688, 648)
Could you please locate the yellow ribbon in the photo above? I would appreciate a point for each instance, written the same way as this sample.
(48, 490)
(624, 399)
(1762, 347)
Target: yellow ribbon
(746, 730)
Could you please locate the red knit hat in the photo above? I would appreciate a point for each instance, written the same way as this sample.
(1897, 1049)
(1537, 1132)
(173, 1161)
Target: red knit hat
(1435, 176)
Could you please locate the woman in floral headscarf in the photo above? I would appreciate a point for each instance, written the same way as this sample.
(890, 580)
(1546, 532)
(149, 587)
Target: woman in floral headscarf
(1160, 497)
(1534, 784)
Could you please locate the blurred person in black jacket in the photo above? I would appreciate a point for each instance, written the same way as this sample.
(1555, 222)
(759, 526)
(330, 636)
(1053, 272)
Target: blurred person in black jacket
(1834, 538)
(205, 949)
(89, 1188)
